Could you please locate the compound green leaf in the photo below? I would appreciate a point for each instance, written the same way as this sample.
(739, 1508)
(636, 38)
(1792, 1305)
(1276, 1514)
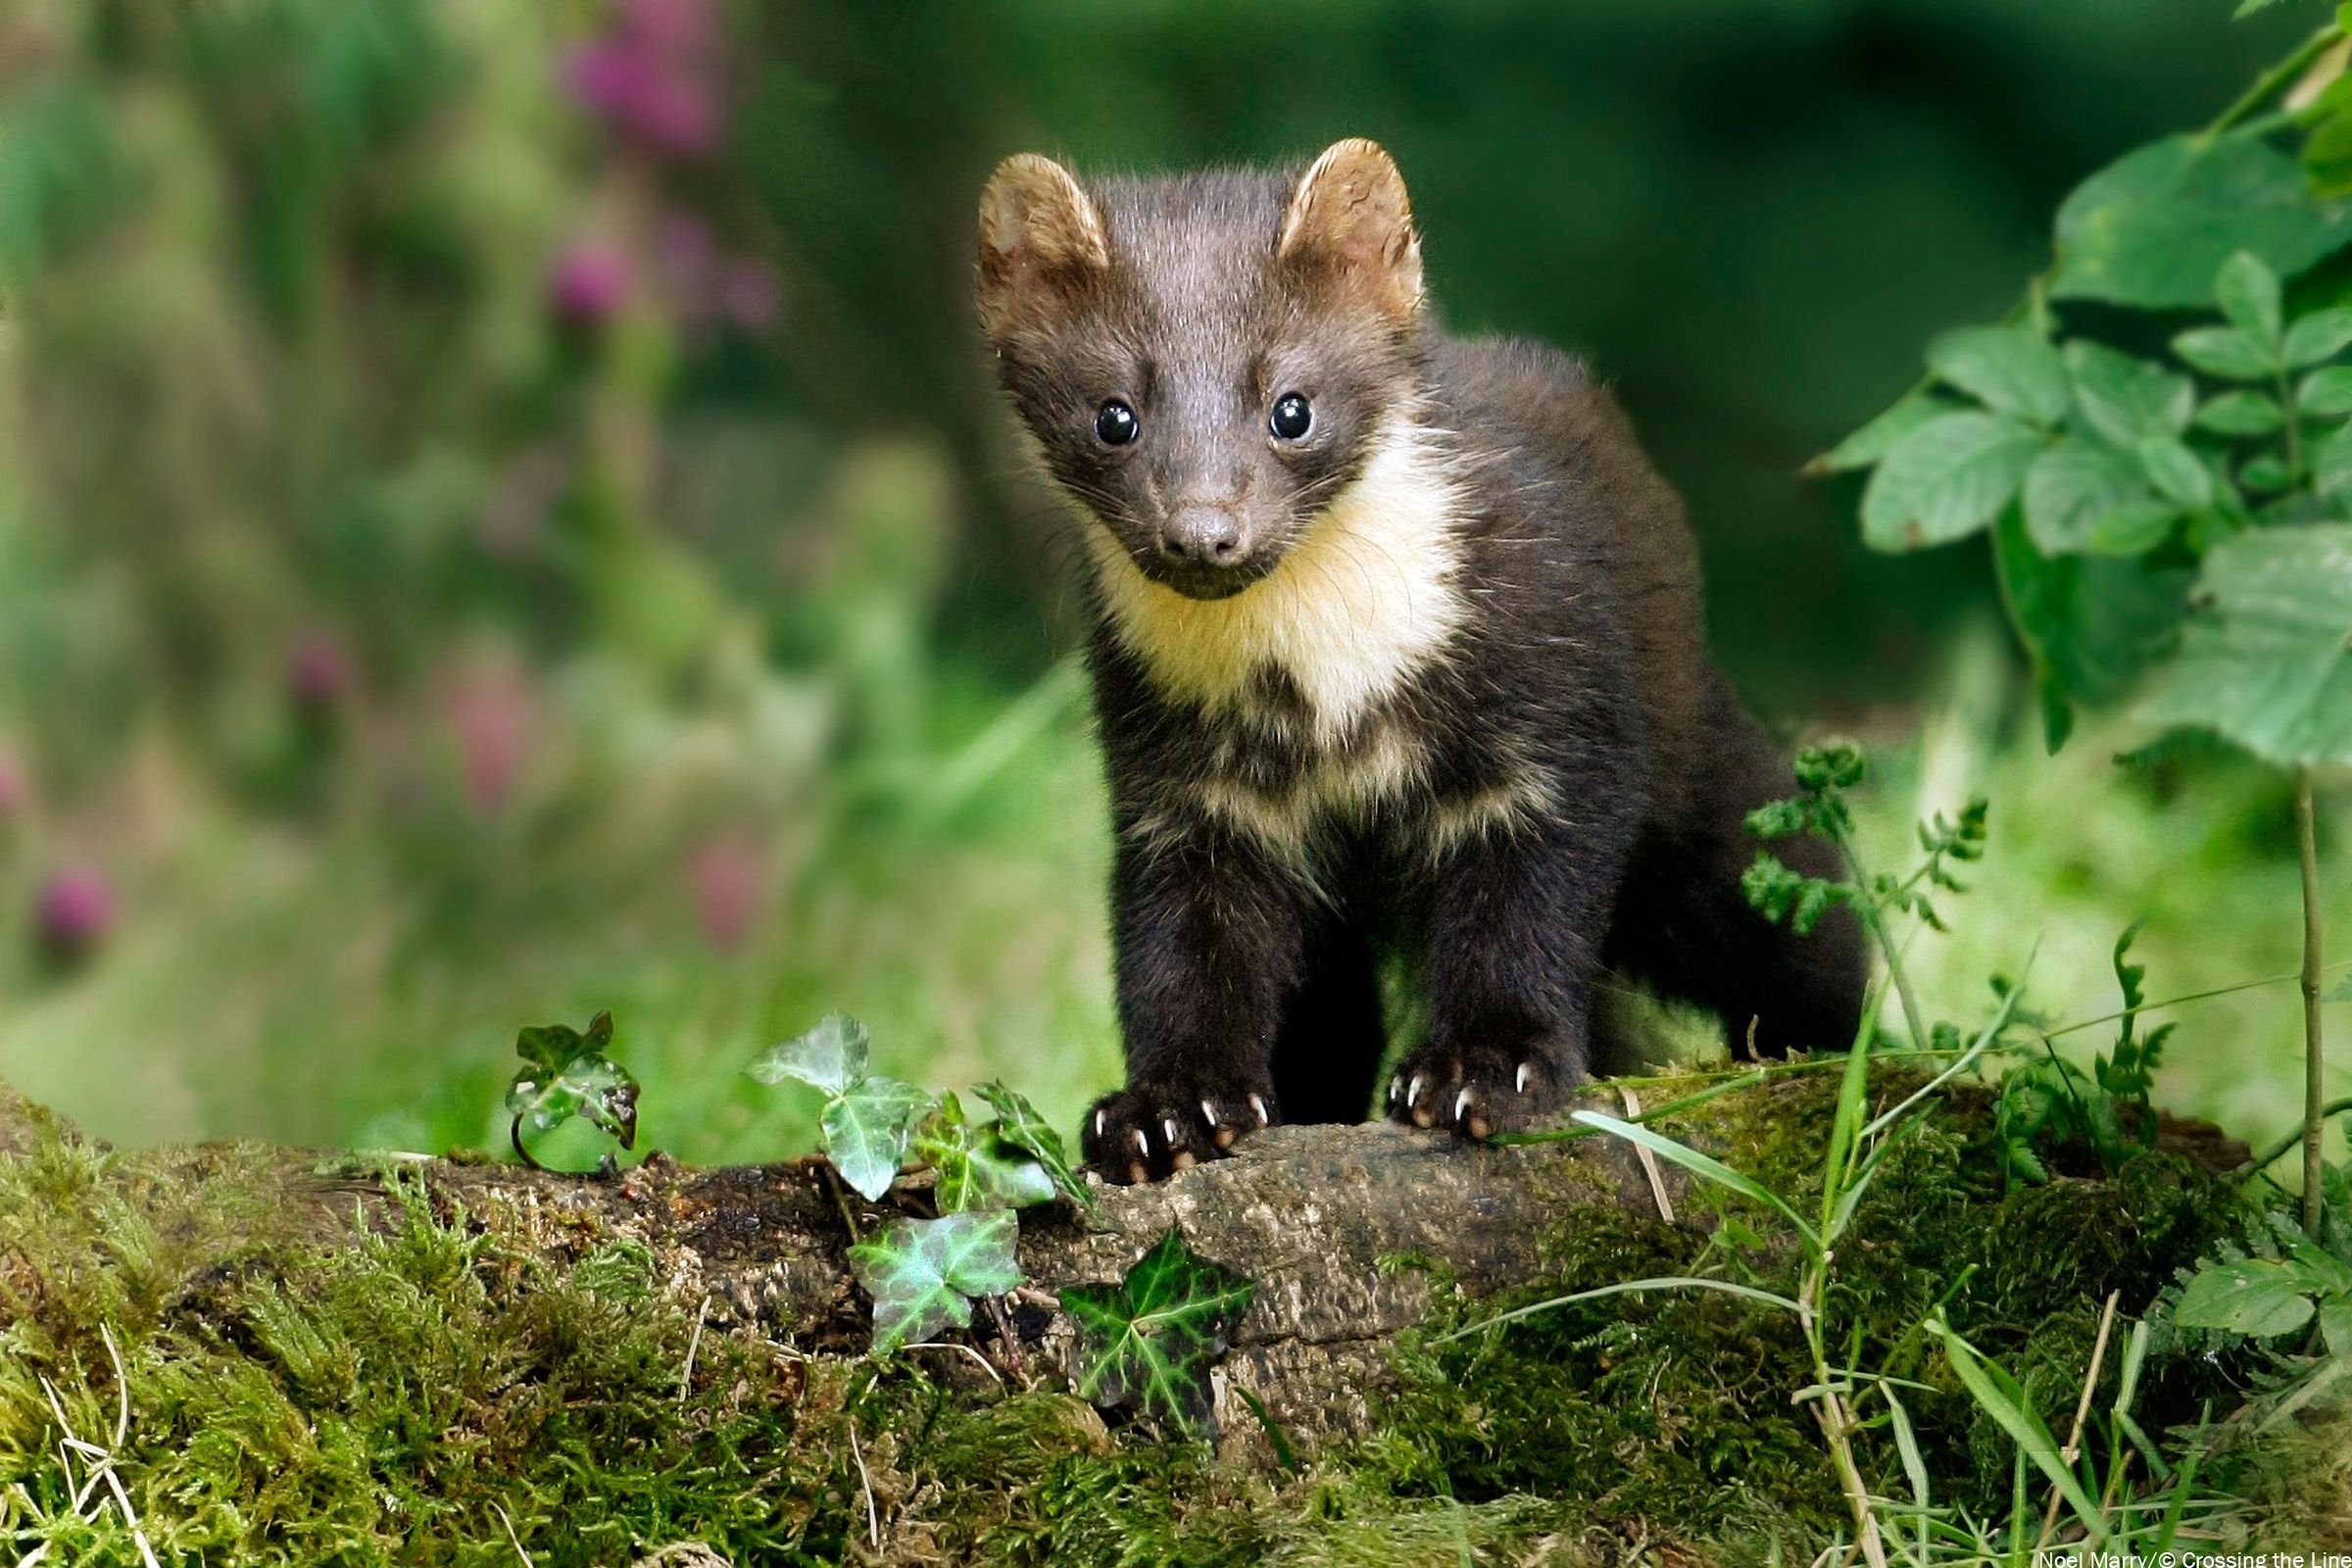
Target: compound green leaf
(2090, 622)
(2265, 659)
(2134, 529)
(1148, 1341)
(2247, 291)
(2178, 473)
(1870, 444)
(1946, 480)
(2226, 352)
(2253, 1296)
(2321, 335)
(2243, 414)
(922, 1274)
(2010, 369)
(2125, 399)
(2152, 229)
(2071, 486)
(2326, 394)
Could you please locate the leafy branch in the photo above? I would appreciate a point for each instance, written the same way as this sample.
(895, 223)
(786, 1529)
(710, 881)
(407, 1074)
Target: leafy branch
(2184, 521)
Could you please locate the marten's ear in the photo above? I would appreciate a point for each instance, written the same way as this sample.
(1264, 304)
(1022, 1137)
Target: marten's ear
(1041, 242)
(1350, 225)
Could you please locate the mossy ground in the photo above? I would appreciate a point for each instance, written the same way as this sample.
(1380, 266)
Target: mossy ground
(423, 1396)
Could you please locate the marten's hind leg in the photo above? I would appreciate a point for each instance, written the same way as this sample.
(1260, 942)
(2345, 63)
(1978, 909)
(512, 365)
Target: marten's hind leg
(1682, 924)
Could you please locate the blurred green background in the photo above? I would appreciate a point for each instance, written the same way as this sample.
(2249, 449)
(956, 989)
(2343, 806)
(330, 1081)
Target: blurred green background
(502, 511)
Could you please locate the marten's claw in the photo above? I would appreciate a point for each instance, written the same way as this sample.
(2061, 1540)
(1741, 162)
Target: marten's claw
(1142, 1135)
(1473, 1092)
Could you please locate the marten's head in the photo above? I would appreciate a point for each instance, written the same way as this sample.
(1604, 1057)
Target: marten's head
(1207, 361)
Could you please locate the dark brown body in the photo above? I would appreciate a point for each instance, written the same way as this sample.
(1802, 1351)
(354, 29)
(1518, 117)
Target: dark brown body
(1450, 697)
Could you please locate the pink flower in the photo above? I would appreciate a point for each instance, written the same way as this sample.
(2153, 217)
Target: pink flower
(656, 76)
(590, 282)
(725, 874)
(494, 713)
(74, 910)
(317, 671)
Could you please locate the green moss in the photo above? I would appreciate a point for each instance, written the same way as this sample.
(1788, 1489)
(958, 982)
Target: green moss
(1675, 1406)
(302, 1396)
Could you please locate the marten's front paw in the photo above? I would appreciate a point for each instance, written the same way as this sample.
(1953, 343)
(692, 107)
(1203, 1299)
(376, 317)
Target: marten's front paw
(1474, 1091)
(1141, 1134)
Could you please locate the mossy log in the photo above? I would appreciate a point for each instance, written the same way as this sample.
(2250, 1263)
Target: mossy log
(1347, 1231)
(449, 1361)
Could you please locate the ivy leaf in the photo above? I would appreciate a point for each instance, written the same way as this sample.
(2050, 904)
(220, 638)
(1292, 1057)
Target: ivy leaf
(831, 1057)
(922, 1273)
(2124, 398)
(1946, 480)
(2226, 352)
(2321, 335)
(1870, 444)
(2266, 659)
(2010, 369)
(2326, 393)
(1148, 1341)
(867, 1118)
(1019, 1124)
(2071, 486)
(867, 1130)
(567, 1074)
(2253, 1296)
(2246, 413)
(2247, 291)
(976, 1168)
(2152, 229)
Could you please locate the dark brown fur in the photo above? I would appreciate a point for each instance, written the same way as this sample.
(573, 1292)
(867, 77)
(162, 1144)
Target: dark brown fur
(1572, 685)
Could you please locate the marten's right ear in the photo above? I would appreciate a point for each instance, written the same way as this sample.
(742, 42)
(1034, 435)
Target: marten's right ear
(1041, 242)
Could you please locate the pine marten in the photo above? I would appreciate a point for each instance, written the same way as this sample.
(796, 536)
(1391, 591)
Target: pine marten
(1397, 642)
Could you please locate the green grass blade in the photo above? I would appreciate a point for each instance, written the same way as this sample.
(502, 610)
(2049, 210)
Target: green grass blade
(1853, 1101)
(1998, 1395)
(1628, 1288)
(1915, 1463)
(1714, 1170)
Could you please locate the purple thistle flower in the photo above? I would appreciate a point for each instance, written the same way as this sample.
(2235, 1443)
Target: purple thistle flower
(74, 911)
(656, 76)
(590, 283)
(317, 671)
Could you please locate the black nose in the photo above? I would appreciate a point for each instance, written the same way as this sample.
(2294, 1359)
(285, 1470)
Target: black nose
(1208, 536)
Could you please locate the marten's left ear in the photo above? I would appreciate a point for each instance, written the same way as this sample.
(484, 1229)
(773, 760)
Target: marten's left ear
(1351, 228)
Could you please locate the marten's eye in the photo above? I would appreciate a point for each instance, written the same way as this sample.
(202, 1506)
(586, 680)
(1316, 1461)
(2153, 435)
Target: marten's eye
(1115, 423)
(1292, 417)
